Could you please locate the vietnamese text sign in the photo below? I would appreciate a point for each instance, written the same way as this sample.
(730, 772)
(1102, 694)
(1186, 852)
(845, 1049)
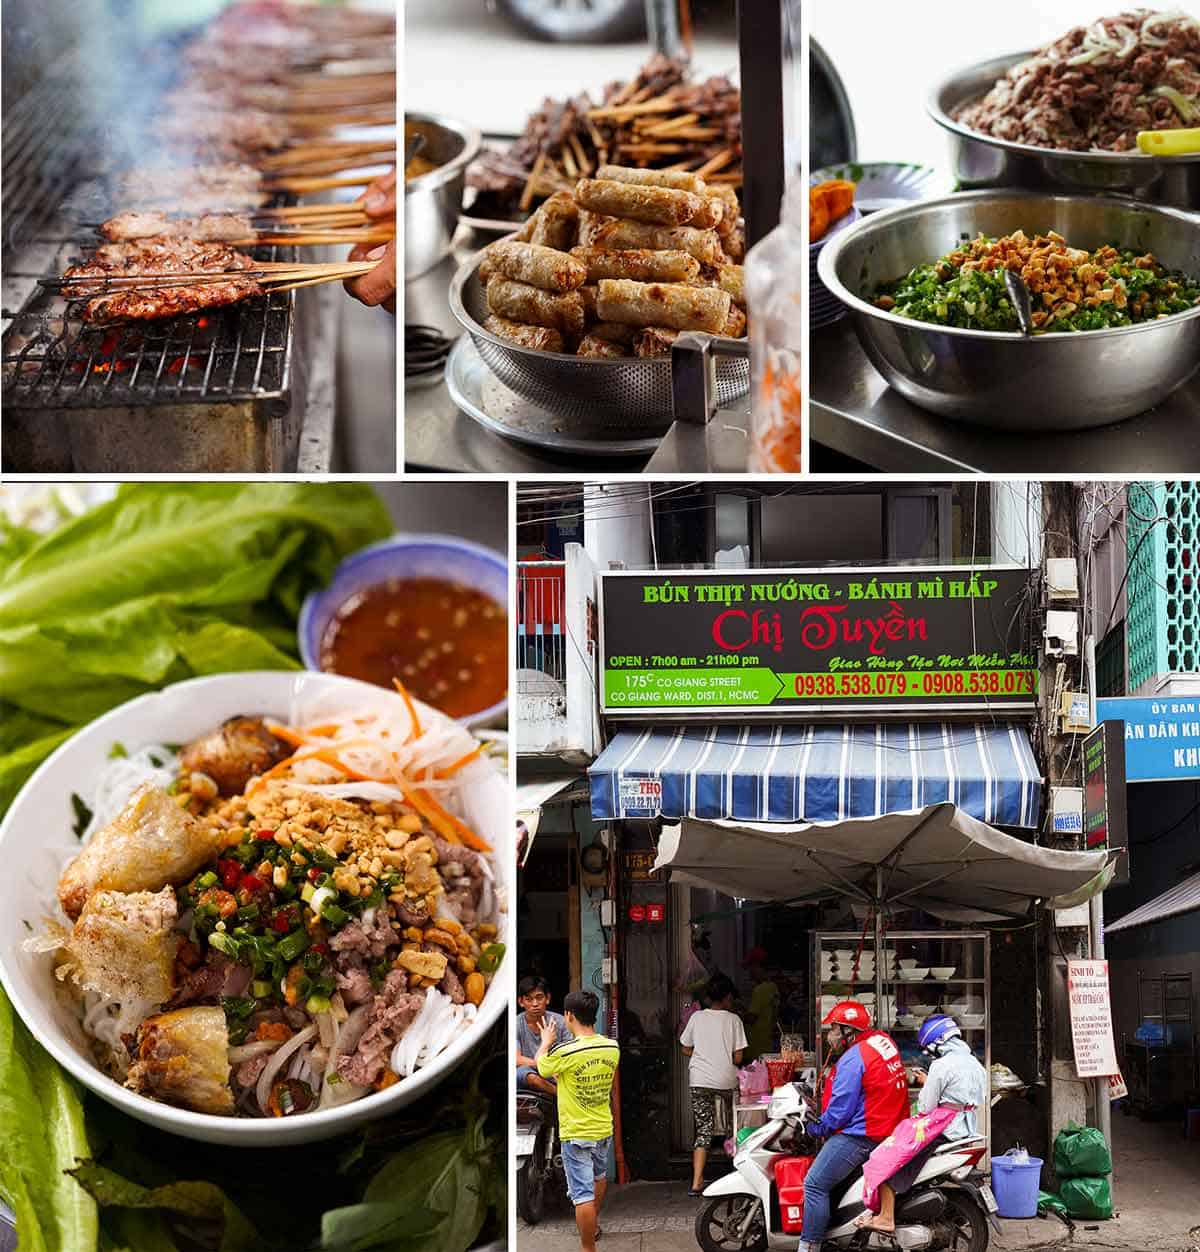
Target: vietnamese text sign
(1162, 735)
(1105, 819)
(896, 639)
(1091, 1019)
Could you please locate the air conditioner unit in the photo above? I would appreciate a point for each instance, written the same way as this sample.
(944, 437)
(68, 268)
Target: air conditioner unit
(1062, 578)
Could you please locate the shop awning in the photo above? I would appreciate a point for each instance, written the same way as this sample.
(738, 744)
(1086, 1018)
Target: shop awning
(939, 859)
(535, 793)
(818, 773)
(1183, 898)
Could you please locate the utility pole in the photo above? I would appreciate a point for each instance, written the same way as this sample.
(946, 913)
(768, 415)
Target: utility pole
(1061, 753)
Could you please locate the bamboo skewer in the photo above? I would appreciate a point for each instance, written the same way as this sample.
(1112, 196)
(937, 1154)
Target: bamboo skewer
(265, 273)
(301, 185)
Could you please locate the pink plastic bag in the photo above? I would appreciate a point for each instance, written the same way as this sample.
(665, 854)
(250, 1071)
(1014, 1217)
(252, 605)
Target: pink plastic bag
(754, 1082)
(912, 1136)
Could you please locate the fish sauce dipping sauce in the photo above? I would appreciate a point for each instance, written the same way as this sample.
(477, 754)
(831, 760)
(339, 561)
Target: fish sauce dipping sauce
(446, 642)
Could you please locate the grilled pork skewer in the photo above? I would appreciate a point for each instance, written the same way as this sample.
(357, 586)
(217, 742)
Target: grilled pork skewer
(232, 228)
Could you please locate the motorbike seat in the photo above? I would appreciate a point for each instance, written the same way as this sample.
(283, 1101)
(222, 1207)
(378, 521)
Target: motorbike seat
(958, 1145)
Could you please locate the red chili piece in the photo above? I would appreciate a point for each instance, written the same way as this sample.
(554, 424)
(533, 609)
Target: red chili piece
(230, 872)
(266, 836)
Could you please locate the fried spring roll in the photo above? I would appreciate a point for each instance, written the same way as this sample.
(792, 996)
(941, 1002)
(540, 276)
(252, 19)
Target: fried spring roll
(542, 338)
(487, 267)
(735, 325)
(589, 226)
(124, 945)
(182, 1057)
(594, 346)
(525, 234)
(641, 264)
(734, 242)
(663, 304)
(556, 223)
(659, 206)
(522, 303)
(732, 278)
(614, 332)
(733, 208)
(654, 341)
(704, 245)
(709, 215)
(678, 180)
(588, 293)
(538, 266)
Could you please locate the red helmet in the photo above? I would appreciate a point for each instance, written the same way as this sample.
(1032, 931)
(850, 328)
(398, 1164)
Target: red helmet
(850, 1013)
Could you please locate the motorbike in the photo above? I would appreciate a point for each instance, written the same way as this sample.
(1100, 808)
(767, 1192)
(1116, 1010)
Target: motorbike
(539, 1154)
(947, 1209)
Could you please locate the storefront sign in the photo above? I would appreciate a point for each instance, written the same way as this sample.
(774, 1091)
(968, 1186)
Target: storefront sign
(637, 912)
(1091, 1019)
(640, 794)
(1117, 1090)
(1105, 820)
(656, 913)
(862, 641)
(1162, 736)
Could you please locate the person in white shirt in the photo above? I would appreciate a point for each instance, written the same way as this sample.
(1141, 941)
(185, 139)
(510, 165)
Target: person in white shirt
(713, 1041)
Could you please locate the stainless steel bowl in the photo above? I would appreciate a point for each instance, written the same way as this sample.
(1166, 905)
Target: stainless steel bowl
(432, 202)
(983, 161)
(633, 394)
(1058, 381)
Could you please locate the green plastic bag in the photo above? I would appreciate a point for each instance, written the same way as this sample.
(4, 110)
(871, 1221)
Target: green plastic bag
(1081, 1152)
(1049, 1201)
(1087, 1197)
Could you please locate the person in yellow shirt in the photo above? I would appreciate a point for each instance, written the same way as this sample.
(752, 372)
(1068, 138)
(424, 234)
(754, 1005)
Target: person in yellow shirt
(584, 1069)
(763, 1011)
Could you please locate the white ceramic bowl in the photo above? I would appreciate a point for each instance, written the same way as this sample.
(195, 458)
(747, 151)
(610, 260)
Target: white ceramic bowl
(909, 962)
(972, 1019)
(943, 971)
(913, 975)
(36, 840)
(922, 1010)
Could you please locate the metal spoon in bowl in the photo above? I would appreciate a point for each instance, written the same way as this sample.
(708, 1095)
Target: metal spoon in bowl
(1022, 302)
(412, 147)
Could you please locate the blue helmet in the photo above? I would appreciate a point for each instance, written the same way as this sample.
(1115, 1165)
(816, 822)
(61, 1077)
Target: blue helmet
(936, 1030)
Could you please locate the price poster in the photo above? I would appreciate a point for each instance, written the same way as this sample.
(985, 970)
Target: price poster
(1091, 1019)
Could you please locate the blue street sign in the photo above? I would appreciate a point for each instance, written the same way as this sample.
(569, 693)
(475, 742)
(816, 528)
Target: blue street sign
(1162, 735)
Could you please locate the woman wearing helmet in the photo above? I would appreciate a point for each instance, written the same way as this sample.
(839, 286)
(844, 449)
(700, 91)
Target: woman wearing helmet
(955, 1082)
(865, 1096)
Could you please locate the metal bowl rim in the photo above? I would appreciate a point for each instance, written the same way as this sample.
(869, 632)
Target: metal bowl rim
(472, 139)
(463, 274)
(828, 259)
(934, 108)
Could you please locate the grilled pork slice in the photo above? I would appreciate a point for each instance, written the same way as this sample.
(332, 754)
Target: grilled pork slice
(151, 303)
(124, 945)
(151, 842)
(156, 255)
(234, 753)
(182, 1057)
(146, 224)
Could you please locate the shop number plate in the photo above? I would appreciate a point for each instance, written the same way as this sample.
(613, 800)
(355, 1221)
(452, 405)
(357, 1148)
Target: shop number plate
(989, 1200)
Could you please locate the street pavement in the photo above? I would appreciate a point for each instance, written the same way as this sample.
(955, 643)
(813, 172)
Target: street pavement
(1156, 1190)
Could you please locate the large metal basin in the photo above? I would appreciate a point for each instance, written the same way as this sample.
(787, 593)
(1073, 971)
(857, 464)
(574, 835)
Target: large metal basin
(1051, 382)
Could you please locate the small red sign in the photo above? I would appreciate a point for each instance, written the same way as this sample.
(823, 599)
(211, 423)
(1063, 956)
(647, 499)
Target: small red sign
(637, 912)
(656, 912)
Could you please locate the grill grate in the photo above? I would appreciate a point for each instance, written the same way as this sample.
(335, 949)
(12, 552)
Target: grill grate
(53, 359)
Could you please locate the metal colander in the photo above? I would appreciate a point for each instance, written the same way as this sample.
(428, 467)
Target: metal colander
(632, 394)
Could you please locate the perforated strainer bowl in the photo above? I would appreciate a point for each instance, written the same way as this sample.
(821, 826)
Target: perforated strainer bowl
(631, 394)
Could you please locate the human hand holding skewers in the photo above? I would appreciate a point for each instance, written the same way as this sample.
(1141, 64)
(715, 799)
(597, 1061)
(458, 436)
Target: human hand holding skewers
(378, 286)
(379, 199)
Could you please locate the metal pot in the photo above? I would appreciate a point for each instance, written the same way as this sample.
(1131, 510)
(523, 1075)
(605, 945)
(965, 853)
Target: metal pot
(984, 161)
(433, 202)
(1051, 382)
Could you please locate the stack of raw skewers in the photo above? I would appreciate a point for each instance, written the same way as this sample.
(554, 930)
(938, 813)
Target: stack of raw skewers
(222, 146)
(620, 266)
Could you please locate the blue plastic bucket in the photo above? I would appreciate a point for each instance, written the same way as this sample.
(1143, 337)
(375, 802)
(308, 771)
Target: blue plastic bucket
(1016, 1186)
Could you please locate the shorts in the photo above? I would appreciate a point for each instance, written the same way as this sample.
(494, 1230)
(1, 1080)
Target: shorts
(523, 1074)
(712, 1112)
(584, 1160)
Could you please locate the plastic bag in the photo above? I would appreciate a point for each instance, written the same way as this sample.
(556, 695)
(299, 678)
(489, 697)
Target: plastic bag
(754, 1081)
(1003, 1079)
(1087, 1197)
(1018, 1155)
(1081, 1152)
(1050, 1201)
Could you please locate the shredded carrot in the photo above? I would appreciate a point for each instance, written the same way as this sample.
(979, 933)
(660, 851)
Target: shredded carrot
(302, 738)
(330, 757)
(275, 771)
(412, 708)
(453, 769)
(446, 824)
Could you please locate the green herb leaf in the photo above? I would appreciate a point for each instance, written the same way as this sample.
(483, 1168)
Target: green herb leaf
(83, 815)
(42, 1133)
(117, 751)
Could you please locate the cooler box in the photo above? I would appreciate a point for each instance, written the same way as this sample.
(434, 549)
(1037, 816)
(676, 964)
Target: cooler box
(789, 1178)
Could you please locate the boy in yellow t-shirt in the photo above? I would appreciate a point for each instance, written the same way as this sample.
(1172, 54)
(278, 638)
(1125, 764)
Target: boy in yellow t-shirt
(584, 1068)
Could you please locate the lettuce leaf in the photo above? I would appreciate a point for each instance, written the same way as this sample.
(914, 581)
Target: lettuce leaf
(41, 1135)
(165, 582)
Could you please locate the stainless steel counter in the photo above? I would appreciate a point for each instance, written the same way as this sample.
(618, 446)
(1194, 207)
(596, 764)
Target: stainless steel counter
(438, 437)
(854, 412)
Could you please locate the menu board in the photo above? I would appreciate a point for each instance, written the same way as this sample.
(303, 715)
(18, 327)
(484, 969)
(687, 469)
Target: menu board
(862, 641)
(1091, 1019)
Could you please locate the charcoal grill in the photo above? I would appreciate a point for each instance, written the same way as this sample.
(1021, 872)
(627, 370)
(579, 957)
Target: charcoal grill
(247, 388)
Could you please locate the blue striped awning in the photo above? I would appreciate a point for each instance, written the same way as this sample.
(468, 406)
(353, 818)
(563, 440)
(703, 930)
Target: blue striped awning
(817, 773)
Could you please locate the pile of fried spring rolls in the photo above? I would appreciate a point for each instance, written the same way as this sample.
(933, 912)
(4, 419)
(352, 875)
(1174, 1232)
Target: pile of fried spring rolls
(620, 266)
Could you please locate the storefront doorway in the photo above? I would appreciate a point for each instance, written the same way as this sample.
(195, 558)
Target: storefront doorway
(548, 914)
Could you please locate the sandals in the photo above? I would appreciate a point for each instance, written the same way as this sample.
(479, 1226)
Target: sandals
(865, 1221)
(694, 1193)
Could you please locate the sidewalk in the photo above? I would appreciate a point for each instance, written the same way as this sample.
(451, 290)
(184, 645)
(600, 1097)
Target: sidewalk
(1157, 1189)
